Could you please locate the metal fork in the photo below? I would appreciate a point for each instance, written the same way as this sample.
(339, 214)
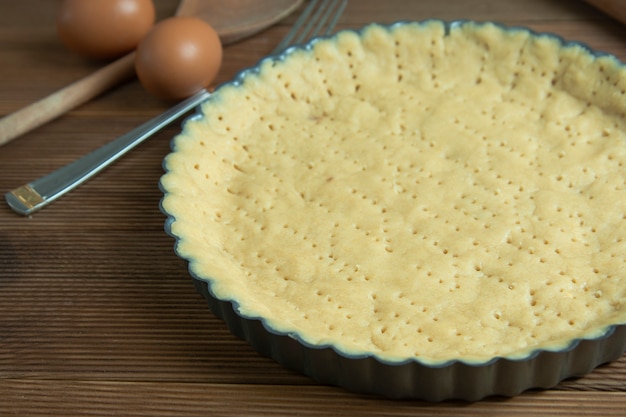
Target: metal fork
(318, 18)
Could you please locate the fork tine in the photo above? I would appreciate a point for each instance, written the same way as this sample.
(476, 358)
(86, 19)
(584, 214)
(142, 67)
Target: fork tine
(330, 13)
(322, 22)
(319, 13)
(341, 5)
(286, 41)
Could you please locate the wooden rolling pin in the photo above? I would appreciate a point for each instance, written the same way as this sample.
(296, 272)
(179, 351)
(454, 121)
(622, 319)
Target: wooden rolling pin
(614, 8)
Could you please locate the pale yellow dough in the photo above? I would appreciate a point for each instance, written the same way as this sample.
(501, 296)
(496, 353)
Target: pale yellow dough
(414, 193)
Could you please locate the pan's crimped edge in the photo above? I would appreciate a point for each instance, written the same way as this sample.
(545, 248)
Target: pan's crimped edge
(415, 380)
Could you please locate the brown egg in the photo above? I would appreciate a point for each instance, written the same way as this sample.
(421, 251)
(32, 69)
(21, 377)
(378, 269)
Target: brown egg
(178, 57)
(104, 28)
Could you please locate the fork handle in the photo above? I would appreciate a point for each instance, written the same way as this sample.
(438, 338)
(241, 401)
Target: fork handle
(67, 98)
(31, 197)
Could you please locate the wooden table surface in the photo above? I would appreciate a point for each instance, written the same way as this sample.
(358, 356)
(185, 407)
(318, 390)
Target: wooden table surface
(99, 317)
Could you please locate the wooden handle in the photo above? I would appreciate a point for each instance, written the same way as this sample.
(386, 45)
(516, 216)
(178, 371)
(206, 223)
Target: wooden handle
(60, 102)
(614, 8)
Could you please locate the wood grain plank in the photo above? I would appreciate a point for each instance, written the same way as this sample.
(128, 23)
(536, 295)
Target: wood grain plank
(51, 398)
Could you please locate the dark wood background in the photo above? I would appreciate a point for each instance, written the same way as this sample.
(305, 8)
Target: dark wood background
(99, 317)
